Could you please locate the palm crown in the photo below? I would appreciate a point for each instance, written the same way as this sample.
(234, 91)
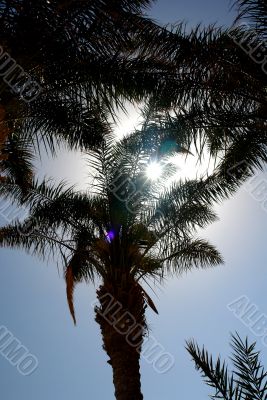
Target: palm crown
(125, 225)
(215, 88)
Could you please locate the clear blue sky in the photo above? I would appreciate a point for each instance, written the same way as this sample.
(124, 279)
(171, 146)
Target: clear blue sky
(72, 364)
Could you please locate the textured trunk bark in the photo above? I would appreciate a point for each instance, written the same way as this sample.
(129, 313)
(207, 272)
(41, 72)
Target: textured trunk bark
(122, 323)
(4, 131)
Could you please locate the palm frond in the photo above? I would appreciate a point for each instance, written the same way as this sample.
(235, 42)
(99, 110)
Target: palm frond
(188, 254)
(248, 379)
(70, 284)
(17, 162)
(249, 372)
(255, 12)
(215, 374)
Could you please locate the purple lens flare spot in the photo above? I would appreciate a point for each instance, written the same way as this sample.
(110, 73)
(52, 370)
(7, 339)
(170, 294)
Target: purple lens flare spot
(110, 236)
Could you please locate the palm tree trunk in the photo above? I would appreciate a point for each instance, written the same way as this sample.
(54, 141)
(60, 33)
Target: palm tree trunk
(122, 323)
(4, 131)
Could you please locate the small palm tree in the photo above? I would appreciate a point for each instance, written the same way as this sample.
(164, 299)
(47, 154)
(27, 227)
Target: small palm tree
(248, 381)
(125, 230)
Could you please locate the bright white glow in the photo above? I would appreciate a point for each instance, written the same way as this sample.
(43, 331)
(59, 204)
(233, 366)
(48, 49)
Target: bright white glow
(127, 123)
(189, 167)
(154, 171)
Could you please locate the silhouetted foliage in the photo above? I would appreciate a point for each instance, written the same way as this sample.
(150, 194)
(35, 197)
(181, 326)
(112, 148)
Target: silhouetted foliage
(248, 381)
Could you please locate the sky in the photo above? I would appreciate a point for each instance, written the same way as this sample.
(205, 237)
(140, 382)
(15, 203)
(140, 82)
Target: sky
(71, 361)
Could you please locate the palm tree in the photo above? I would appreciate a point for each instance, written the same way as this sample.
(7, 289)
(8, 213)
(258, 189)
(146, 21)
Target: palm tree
(247, 381)
(124, 230)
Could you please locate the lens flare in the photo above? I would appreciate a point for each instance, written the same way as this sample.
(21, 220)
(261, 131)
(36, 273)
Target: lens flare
(110, 235)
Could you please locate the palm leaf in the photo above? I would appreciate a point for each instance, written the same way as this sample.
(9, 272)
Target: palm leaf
(247, 381)
(70, 284)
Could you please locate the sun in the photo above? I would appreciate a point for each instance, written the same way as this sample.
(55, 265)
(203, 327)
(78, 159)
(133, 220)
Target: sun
(154, 171)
